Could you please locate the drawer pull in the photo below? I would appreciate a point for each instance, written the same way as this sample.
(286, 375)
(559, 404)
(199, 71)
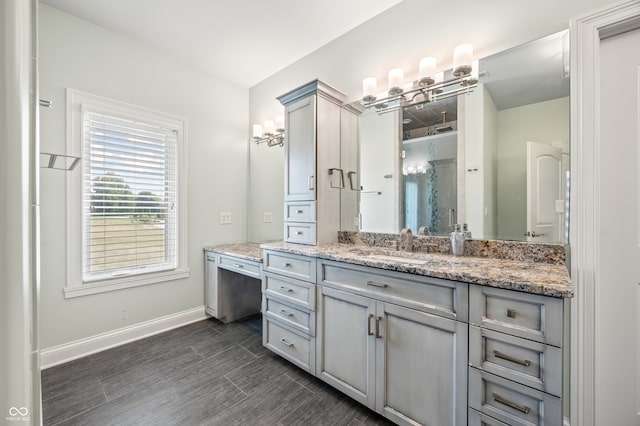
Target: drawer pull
(237, 265)
(285, 342)
(287, 289)
(522, 362)
(286, 265)
(378, 335)
(369, 332)
(299, 232)
(283, 312)
(299, 211)
(375, 284)
(511, 313)
(497, 398)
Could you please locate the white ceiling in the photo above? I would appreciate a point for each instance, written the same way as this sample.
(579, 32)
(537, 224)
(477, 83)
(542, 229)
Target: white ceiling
(242, 41)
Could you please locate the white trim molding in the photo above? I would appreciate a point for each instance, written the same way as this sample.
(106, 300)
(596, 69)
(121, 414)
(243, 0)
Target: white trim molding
(586, 33)
(56, 355)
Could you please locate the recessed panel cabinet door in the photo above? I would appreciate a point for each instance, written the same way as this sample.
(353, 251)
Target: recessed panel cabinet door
(421, 362)
(345, 343)
(300, 150)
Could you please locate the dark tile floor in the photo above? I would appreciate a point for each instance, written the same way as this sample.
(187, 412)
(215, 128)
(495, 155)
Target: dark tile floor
(204, 373)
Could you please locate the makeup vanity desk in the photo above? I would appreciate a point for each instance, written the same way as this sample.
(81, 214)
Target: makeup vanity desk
(233, 276)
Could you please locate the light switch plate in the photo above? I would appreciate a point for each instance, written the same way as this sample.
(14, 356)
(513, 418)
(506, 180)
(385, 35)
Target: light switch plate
(267, 217)
(225, 218)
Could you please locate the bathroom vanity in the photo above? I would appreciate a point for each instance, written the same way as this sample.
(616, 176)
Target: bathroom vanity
(233, 273)
(422, 338)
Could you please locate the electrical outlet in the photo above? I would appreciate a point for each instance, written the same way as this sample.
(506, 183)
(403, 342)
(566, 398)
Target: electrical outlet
(267, 217)
(225, 218)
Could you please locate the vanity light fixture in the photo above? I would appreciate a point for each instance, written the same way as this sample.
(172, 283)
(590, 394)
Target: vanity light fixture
(429, 87)
(270, 132)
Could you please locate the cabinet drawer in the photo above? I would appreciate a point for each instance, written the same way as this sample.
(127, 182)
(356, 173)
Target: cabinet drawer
(440, 297)
(296, 347)
(294, 317)
(300, 232)
(479, 419)
(242, 266)
(511, 402)
(290, 265)
(299, 293)
(300, 211)
(530, 316)
(531, 363)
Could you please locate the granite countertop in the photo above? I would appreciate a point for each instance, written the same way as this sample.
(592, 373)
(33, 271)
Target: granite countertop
(536, 278)
(248, 251)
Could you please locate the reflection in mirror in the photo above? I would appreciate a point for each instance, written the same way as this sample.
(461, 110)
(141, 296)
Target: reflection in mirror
(508, 146)
(379, 139)
(429, 167)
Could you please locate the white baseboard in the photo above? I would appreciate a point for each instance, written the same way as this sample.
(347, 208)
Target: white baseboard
(80, 348)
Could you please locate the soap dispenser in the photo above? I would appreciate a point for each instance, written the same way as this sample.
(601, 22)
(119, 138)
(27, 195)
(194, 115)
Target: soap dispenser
(457, 241)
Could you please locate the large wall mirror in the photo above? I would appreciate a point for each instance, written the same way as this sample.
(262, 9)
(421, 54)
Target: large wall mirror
(496, 159)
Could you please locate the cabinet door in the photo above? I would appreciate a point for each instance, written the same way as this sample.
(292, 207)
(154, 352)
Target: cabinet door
(211, 284)
(421, 363)
(300, 150)
(345, 343)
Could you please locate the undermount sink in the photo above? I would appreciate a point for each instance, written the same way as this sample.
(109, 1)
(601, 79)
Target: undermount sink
(397, 259)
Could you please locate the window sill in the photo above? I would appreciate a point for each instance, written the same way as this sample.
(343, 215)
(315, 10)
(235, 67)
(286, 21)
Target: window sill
(122, 283)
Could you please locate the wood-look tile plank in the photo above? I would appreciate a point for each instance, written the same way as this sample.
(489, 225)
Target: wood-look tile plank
(145, 407)
(77, 398)
(161, 371)
(266, 406)
(262, 370)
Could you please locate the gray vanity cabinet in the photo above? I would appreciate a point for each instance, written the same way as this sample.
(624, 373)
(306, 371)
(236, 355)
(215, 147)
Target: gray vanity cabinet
(317, 130)
(397, 358)
(515, 357)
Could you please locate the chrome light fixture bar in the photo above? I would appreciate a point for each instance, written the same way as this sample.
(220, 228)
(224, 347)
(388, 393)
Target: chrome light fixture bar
(429, 87)
(271, 133)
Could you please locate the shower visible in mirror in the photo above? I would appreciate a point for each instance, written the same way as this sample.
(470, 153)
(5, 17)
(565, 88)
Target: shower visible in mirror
(429, 167)
(502, 168)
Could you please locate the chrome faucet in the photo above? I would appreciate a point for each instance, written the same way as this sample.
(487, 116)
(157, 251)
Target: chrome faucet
(406, 240)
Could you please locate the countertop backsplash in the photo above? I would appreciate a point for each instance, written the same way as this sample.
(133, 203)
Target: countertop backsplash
(497, 249)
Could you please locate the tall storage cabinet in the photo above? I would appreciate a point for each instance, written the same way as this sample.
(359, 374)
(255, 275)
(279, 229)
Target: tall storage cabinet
(314, 177)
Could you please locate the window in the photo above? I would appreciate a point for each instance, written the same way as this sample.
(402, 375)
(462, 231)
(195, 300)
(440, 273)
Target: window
(127, 201)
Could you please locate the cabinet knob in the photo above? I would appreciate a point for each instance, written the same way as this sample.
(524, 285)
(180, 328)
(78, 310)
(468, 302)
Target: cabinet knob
(286, 264)
(511, 313)
(237, 265)
(299, 211)
(283, 312)
(287, 289)
(299, 232)
(286, 342)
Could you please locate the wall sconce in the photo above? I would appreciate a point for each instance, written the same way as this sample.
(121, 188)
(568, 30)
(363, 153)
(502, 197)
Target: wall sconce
(270, 132)
(430, 85)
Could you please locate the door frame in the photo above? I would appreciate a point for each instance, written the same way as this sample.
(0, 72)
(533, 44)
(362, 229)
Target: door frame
(586, 33)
